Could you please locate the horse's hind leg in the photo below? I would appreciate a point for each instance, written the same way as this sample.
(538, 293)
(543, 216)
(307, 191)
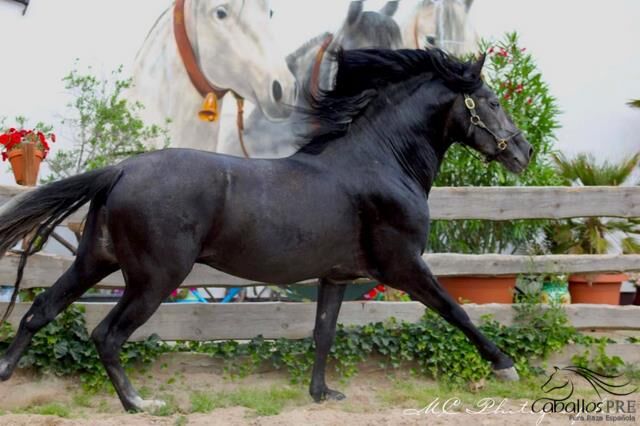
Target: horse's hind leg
(142, 297)
(83, 274)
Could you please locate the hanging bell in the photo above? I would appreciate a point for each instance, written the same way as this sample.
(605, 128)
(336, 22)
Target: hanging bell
(209, 111)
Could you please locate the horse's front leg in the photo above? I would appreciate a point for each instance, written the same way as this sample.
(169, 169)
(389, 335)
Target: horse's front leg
(330, 297)
(418, 281)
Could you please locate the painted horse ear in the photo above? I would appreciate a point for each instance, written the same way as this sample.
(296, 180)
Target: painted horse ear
(467, 4)
(355, 10)
(390, 8)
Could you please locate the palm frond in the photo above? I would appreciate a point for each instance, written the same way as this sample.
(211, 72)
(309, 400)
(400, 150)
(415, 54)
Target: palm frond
(586, 170)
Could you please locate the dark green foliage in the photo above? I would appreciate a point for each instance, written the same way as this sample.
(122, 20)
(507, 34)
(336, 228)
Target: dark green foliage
(513, 75)
(64, 348)
(594, 235)
(432, 346)
(437, 349)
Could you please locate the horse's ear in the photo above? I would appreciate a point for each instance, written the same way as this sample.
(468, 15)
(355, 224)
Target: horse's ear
(390, 8)
(467, 4)
(355, 10)
(475, 70)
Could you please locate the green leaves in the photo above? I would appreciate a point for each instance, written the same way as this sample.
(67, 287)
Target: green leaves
(594, 235)
(64, 348)
(106, 128)
(586, 170)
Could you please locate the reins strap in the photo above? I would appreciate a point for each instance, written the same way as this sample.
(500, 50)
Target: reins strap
(188, 56)
(197, 77)
(240, 123)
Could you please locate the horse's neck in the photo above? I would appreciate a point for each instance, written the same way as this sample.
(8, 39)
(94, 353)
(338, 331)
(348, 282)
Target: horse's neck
(394, 139)
(164, 88)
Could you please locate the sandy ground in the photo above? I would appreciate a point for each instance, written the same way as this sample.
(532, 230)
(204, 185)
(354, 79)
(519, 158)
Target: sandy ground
(179, 376)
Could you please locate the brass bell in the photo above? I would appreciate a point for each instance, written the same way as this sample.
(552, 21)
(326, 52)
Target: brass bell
(209, 111)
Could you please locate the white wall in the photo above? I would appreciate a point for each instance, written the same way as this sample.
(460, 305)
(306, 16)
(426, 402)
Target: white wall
(587, 50)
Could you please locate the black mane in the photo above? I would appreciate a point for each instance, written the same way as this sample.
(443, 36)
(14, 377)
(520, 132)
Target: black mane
(362, 74)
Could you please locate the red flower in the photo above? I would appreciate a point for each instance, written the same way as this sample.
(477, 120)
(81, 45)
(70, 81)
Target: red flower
(507, 96)
(491, 49)
(53, 137)
(530, 101)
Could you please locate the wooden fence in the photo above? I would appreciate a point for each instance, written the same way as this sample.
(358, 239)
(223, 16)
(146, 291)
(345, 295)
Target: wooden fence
(292, 320)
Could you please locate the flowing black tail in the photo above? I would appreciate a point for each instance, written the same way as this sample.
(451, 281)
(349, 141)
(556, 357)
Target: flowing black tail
(45, 208)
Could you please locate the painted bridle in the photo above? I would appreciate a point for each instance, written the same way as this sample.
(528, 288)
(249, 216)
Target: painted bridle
(209, 92)
(476, 121)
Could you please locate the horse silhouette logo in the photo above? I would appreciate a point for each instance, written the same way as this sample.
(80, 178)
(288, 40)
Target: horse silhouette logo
(562, 379)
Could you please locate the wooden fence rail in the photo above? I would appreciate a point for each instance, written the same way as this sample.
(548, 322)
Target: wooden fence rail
(272, 320)
(503, 203)
(43, 269)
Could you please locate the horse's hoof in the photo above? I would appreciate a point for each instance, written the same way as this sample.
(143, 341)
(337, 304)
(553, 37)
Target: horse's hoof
(5, 371)
(148, 405)
(328, 395)
(507, 374)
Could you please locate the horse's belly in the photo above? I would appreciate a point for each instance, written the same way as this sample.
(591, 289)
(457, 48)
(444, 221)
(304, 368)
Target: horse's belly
(281, 262)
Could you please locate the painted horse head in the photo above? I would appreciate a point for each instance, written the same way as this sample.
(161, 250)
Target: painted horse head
(368, 29)
(237, 50)
(443, 24)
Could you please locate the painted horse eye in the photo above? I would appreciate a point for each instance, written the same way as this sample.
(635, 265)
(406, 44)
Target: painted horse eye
(431, 40)
(221, 13)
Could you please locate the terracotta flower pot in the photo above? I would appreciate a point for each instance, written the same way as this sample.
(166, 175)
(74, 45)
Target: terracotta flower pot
(25, 170)
(596, 288)
(480, 289)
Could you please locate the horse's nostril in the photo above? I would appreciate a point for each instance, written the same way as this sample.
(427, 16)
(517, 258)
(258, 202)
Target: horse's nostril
(276, 89)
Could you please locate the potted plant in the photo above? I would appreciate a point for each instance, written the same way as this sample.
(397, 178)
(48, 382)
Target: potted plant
(25, 149)
(555, 289)
(595, 235)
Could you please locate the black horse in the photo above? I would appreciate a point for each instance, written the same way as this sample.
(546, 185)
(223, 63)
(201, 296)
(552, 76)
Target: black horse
(351, 203)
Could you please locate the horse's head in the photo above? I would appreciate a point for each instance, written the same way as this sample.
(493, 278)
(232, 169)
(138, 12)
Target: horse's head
(442, 24)
(237, 50)
(368, 29)
(479, 121)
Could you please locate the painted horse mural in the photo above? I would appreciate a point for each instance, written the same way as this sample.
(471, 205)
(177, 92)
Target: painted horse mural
(311, 65)
(232, 46)
(440, 23)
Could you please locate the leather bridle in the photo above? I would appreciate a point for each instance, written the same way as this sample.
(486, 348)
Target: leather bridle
(475, 121)
(197, 77)
(314, 82)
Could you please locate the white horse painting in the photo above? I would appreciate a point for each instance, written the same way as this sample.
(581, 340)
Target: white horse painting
(233, 45)
(440, 23)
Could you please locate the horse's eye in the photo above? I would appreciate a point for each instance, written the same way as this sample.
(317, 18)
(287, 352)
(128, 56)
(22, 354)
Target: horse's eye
(431, 40)
(494, 104)
(221, 13)
(271, 13)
